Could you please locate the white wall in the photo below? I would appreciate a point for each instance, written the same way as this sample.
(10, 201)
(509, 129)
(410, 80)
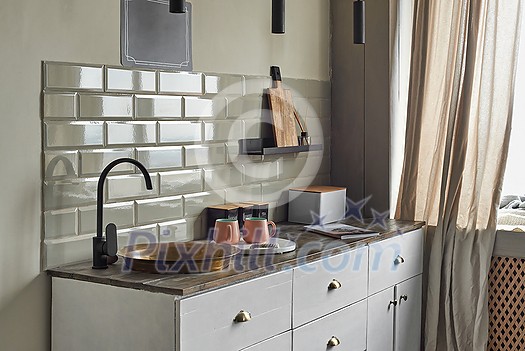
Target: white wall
(230, 36)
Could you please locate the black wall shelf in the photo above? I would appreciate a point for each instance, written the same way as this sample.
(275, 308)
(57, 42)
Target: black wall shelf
(266, 146)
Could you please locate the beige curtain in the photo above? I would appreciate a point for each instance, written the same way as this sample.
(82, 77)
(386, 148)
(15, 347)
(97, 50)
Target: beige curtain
(464, 54)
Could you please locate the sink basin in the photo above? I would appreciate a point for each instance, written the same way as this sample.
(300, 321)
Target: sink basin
(178, 257)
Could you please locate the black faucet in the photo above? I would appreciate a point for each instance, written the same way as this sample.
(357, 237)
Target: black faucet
(107, 247)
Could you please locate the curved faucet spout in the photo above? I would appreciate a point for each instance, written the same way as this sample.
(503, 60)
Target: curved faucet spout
(102, 248)
(102, 179)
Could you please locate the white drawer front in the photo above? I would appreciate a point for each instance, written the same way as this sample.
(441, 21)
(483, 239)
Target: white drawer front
(394, 260)
(282, 342)
(312, 295)
(347, 325)
(206, 321)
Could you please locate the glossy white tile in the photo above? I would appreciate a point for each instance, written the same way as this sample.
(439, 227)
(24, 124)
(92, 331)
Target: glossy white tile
(252, 128)
(74, 134)
(195, 107)
(180, 182)
(224, 84)
(92, 162)
(232, 151)
(276, 191)
(180, 83)
(100, 106)
(60, 105)
(179, 230)
(75, 77)
(158, 106)
(258, 172)
(60, 164)
(223, 130)
(67, 250)
(247, 107)
(130, 187)
(130, 80)
(124, 133)
(160, 157)
(69, 193)
(60, 223)
(120, 213)
(195, 204)
(145, 234)
(244, 193)
(180, 132)
(255, 85)
(159, 209)
(200, 155)
(222, 177)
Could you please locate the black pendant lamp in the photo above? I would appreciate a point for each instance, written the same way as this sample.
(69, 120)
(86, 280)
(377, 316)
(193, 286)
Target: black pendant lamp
(359, 22)
(177, 6)
(278, 15)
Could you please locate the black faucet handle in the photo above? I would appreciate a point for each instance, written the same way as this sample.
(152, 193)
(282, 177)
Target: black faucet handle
(111, 240)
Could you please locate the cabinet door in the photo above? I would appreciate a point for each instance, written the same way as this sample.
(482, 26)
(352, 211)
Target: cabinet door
(380, 335)
(408, 315)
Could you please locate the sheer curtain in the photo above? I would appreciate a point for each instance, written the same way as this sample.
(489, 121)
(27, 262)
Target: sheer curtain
(463, 61)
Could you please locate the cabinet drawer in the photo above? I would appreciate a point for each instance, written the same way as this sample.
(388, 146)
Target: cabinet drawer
(347, 325)
(206, 321)
(313, 294)
(394, 260)
(281, 342)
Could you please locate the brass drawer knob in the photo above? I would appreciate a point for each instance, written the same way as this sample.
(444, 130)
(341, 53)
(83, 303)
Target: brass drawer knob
(334, 284)
(333, 341)
(242, 317)
(399, 259)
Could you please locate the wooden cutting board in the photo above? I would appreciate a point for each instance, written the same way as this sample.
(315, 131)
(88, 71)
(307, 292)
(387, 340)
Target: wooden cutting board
(282, 108)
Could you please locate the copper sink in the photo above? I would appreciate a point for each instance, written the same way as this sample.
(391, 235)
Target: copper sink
(178, 257)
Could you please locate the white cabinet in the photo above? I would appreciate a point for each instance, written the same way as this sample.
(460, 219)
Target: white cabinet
(367, 298)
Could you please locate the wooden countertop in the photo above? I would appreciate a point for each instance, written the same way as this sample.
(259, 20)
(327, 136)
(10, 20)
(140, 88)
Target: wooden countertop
(310, 247)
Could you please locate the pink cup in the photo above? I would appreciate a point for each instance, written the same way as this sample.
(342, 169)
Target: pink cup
(256, 230)
(227, 231)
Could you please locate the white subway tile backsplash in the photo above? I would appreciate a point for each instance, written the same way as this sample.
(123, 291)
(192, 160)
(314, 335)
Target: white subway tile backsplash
(120, 213)
(159, 209)
(195, 204)
(130, 187)
(131, 133)
(60, 164)
(200, 155)
(180, 83)
(160, 157)
(73, 134)
(92, 162)
(221, 178)
(118, 79)
(244, 193)
(140, 114)
(60, 105)
(223, 130)
(156, 106)
(258, 172)
(195, 107)
(178, 230)
(224, 84)
(100, 106)
(74, 77)
(61, 223)
(69, 193)
(145, 234)
(180, 132)
(180, 182)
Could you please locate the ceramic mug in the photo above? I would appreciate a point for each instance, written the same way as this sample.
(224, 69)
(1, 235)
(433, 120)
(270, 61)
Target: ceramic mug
(226, 231)
(256, 230)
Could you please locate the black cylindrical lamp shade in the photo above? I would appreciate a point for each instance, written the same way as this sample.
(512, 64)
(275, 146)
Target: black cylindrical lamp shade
(359, 22)
(278, 16)
(177, 6)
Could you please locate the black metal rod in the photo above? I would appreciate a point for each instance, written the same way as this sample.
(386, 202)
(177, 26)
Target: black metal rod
(278, 16)
(359, 22)
(177, 6)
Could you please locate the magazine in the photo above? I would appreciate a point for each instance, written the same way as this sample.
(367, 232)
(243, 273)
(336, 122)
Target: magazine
(341, 231)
